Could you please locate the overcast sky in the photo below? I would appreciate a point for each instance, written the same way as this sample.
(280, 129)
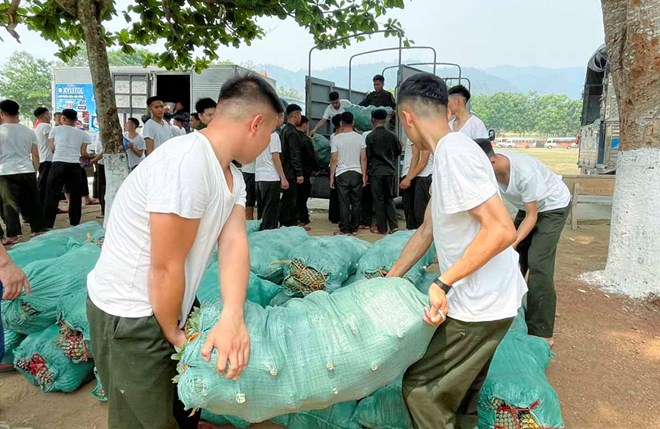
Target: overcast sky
(477, 33)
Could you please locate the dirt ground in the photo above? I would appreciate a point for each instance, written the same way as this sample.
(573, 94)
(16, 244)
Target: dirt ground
(605, 371)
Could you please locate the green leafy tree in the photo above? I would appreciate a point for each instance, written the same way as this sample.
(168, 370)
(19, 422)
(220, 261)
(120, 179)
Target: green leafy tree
(557, 114)
(116, 57)
(27, 81)
(182, 27)
(289, 92)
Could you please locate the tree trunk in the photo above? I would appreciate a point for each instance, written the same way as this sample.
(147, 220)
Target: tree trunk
(116, 167)
(632, 31)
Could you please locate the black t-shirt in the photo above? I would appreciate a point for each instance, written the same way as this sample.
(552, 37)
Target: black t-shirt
(383, 149)
(291, 152)
(381, 99)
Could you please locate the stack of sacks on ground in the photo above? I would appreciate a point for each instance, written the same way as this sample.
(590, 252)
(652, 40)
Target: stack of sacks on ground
(48, 329)
(378, 260)
(312, 353)
(270, 249)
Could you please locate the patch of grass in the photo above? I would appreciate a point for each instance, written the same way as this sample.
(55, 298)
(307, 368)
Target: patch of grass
(561, 161)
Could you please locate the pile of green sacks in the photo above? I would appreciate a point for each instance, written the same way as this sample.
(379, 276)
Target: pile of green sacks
(41, 327)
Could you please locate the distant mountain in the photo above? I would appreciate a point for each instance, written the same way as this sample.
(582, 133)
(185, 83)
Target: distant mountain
(541, 80)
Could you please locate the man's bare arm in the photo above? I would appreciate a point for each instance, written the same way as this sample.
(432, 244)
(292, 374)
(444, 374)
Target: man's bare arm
(150, 145)
(35, 157)
(333, 167)
(416, 247)
(496, 233)
(528, 224)
(172, 237)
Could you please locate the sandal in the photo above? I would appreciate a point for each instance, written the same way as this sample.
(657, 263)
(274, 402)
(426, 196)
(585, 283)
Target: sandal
(92, 202)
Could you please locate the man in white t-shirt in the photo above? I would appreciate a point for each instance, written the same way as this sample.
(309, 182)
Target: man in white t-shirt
(68, 145)
(476, 297)
(408, 193)
(270, 179)
(19, 159)
(348, 173)
(543, 201)
(250, 189)
(168, 216)
(42, 130)
(463, 120)
(336, 107)
(134, 144)
(421, 175)
(156, 130)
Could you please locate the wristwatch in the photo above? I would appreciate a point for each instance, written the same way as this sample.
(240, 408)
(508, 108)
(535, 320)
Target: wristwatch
(442, 285)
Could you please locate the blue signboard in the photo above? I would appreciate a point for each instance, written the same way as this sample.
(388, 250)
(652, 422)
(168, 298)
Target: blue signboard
(614, 144)
(79, 97)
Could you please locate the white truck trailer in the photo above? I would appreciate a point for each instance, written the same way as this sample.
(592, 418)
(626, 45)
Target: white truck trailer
(73, 89)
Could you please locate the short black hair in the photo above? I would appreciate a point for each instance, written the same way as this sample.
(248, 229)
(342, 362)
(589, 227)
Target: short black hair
(40, 111)
(135, 121)
(336, 120)
(304, 120)
(379, 115)
(347, 118)
(180, 118)
(167, 116)
(9, 107)
(379, 77)
(145, 118)
(57, 114)
(426, 90)
(251, 88)
(460, 90)
(334, 95)
(486, 145)
(205, 103)
(70, 114)
(293, 108)
(150, 100)
(194, 115)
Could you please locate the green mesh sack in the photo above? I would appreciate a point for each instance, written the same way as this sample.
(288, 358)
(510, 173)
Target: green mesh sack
(322, 148)
(362, 115)
(99, 392)
(12, 340)
(252, 226)
(50, 281)
(338, 416)
(269, 249)
(310, 354)
(74, 340)
(259, 291)
(378, 260)
(43, 364)
(426, 281)
(323, 263)
(385, 409)
(25, 253)
(516, 393)
(224, 420)
(80, 234)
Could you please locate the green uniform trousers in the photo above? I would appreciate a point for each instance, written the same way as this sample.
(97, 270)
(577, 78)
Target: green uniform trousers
(441, 390)
(135, 366)
(537, 261)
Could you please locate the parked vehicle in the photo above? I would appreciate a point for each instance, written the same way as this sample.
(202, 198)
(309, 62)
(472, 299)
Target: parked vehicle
(561, 143)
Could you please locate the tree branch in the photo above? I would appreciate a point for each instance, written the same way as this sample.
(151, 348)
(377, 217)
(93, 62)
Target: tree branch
(168, 17)
(69, 6)
(12, 20)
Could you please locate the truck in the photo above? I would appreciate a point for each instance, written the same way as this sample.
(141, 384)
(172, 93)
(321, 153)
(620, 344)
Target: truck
(598, 141)
(73, 89)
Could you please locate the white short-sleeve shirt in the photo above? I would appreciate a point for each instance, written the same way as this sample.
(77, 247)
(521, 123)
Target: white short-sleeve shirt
(159, 132)
(185, 179)
(68, 143)
(139, 144)
(530, 180)
(42, 132)
(348, 147)
(473, 128)
(265, 170)
(330, 111)
(16, 142)
(463, 179)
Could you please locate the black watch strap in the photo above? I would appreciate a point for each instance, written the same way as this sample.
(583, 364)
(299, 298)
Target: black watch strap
(444, 286)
